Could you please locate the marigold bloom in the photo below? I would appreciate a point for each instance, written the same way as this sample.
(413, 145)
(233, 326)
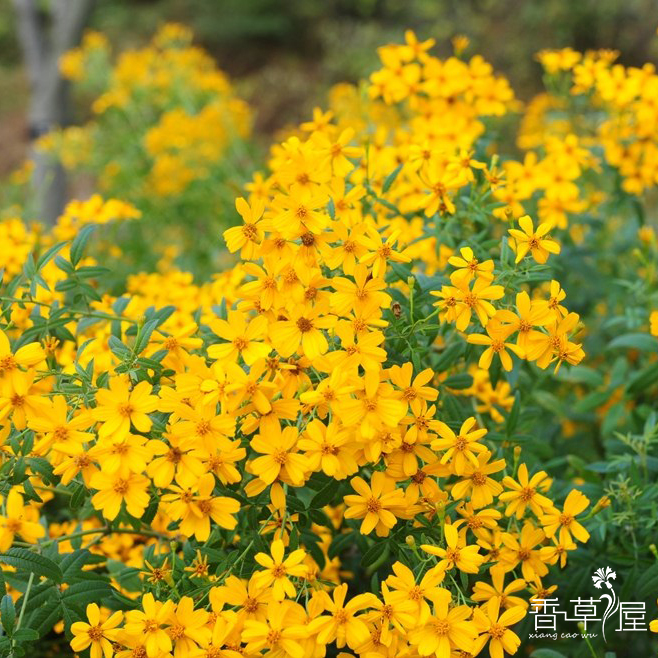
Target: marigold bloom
(469, 267)
(459, 447)
(96, 635)
(457, 553)
(403, 582)
(278, 571)
(280, 458)
(116, 489)
(247, 237)
(119, 407)
(524, 493)
(188, 628)
(25, 357)
(342, 625)
(373, 503)
(522, 550)
(446, 631)
(494, 628)
(19, 520)
(151, 623)
(565, 521)
(494, 340)
(245, 338)
(535, 242)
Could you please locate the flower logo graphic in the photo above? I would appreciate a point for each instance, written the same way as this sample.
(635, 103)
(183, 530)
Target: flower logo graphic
(603, 577)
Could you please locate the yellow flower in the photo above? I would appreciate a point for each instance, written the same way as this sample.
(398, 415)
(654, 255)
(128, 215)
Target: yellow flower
(119, 407)
(524, 493)
(250, 598)
(535, 242)
(522, 550)
(459, 447)
(446, 631)
(245, 338)
(280, 458)
(373, 503)
(96, 635)
(116, 489)
(248, 236)
(187, 628)
(483, 591)
(303, 327)
(278, 634)
(278, 571)
(404, 584)
(19, 520)
(469, 267)
(342, 625)
(151, 624)
(494, 628)
(25, 357)
(565, 521)
(457, 553)
(327, 448)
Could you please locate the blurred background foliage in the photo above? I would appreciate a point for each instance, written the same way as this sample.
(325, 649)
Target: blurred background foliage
(283, 56)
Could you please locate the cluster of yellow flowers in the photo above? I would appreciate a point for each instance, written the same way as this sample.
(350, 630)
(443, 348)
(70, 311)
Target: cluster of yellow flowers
(171, 93)
(242, 406)
(626, 94)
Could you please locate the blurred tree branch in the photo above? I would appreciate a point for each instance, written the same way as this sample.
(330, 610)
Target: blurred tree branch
(44, 37)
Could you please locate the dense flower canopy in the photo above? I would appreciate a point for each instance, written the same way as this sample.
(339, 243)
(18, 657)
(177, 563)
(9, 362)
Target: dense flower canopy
(351, 384)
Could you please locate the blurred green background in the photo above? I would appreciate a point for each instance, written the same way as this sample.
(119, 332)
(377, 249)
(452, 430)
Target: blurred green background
(283, 55)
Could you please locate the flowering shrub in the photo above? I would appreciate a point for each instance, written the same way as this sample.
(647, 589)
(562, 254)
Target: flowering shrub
(373, 436)
(167, 133)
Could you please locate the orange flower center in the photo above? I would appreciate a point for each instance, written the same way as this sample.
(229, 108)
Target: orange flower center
(95, 633)
(441, 627)
(566, 520)
(125, 409)
(497, 631)
(304, 325)
(527, 493)
(249, 231)
(374, 505)
(479, 479)
(120, 486)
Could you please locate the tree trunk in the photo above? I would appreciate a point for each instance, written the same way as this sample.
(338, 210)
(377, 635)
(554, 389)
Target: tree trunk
(44, 39)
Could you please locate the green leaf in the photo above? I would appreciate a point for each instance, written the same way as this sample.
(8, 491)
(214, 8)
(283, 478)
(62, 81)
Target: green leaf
(459, 381)
(546, 653)
(390, 179)
(49, 253)
(7, 614)
(513, 418)
(339, 543)
(86, 592)
(375, 554)
(642, 342)
(643, 380)
(21, 558)
(80, 242)
(324, 496)
(144, 335)
(26, 635)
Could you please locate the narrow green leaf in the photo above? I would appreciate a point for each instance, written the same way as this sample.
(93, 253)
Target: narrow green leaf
(21, 558)
(390, 179)
(7, 614)
(80, 242)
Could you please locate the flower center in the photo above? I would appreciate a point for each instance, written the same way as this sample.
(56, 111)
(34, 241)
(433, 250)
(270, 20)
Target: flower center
(304, 325)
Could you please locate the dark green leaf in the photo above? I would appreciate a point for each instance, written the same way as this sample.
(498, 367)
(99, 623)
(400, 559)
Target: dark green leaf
(21, 558)
(7, 614)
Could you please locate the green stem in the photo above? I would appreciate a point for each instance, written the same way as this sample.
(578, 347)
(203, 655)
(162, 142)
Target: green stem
(105, 531)
(26, 596)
